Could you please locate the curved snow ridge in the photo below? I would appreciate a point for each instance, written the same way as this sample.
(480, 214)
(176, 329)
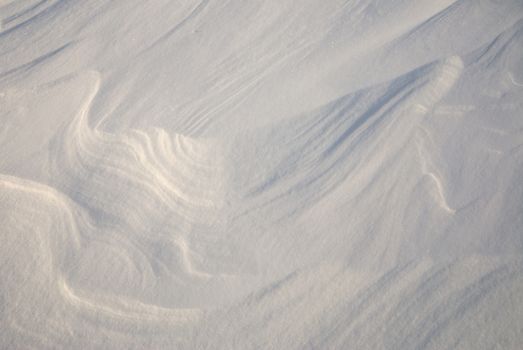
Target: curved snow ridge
(444, 78)
(54, 203)
(156, 201)
(429, 169)
(55, 241)
(138, 175)
(350, 139)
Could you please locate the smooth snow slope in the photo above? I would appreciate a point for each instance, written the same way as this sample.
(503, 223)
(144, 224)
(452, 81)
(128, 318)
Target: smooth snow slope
(315, 174)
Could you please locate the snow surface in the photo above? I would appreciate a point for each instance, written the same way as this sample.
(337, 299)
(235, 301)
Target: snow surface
(266, 174)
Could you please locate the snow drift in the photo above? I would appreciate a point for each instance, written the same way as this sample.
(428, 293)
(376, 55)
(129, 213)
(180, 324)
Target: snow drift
(262, 174)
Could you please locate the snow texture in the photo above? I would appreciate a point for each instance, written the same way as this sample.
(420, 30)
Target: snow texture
(266, 174)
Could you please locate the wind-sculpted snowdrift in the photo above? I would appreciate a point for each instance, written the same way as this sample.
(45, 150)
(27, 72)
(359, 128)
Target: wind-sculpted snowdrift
(352, 185)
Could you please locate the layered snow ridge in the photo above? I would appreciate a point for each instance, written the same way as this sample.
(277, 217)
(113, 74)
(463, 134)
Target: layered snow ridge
(203, 174)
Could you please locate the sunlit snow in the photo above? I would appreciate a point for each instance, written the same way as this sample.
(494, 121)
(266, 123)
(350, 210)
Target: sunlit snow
(262, 174)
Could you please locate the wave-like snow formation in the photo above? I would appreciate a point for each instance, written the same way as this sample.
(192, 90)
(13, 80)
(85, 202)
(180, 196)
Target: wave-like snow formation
(261, 174)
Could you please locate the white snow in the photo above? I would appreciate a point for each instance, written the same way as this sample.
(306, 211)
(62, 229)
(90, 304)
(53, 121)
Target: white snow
(266, 174)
